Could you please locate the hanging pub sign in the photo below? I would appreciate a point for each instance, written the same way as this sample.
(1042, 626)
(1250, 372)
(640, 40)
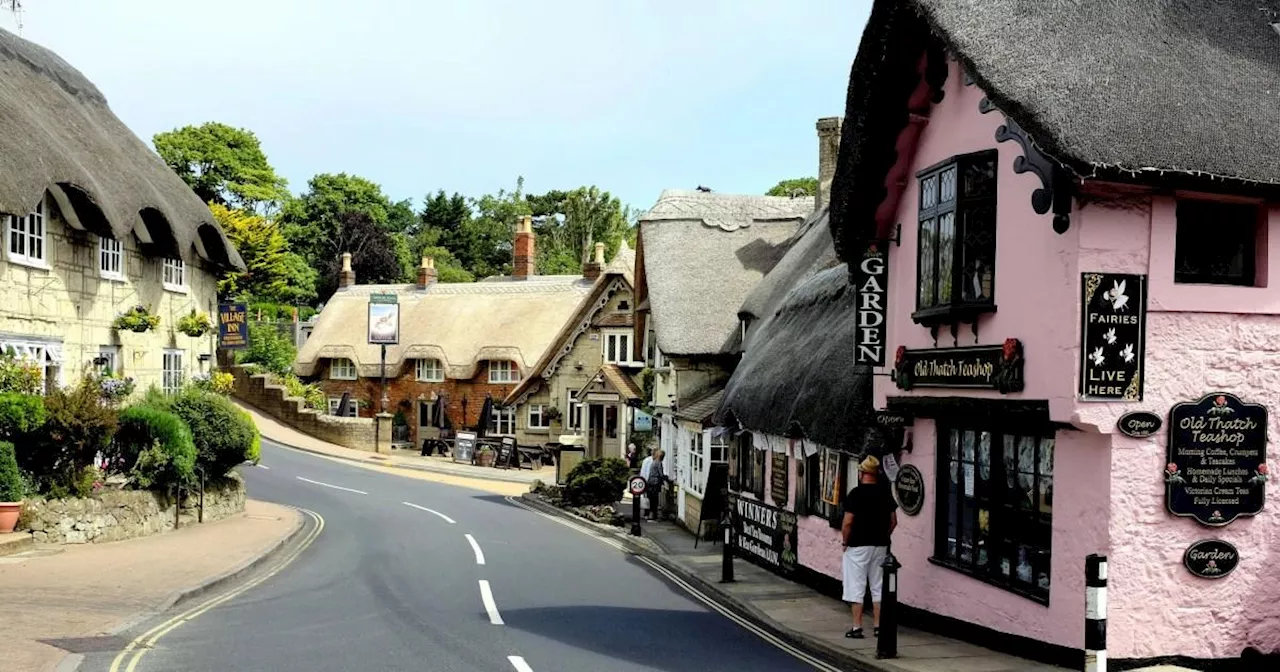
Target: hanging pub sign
(1217, 468)
(384, 319)
(987, 367)
(1112, 336)
(766, 535)
(1211, 558)
(909, 489)
(869, 279)
(1139, 424)
(233, 326)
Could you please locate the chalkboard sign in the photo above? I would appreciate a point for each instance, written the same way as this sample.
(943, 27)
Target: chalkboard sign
(1217, 466)
(778, 479)
(464, 447)
(506, 451)
(717, 483)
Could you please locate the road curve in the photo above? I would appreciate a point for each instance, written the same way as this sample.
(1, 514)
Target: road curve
(414, 575)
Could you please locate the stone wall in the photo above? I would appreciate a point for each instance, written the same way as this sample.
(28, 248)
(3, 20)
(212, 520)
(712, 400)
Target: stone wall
(113, 515)
(257, 391)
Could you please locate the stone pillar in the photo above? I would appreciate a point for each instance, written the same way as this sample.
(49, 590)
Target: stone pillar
(382, 433)
(828, 152)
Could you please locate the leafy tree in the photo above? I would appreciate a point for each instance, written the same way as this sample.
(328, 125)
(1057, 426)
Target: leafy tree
(269, 348)
(376, 255)
(800, 186)
(313, 223)
(486, 246)
(274, 273)
(570, 223)
(223, 165)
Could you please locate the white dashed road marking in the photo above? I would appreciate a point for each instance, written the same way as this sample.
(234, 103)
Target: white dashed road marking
(476, 547)
(518, 663)
(491, 607)
(447, 519)
(335, 487)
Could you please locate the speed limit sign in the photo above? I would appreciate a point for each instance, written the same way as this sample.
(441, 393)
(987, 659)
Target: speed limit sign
(637, 485)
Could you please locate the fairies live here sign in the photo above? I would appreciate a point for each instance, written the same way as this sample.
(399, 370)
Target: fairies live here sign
(1112, 336)
(1217, 466)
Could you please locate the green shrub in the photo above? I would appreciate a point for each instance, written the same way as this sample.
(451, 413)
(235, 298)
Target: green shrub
(12, 486)
(153, 446)
(596, 481)
(222, 433)
(18, 375)
(311, 394)
(78, 427)
(270, 348)
(20, 413)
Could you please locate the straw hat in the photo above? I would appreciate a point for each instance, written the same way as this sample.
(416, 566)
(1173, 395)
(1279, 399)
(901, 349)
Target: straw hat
(870, 465)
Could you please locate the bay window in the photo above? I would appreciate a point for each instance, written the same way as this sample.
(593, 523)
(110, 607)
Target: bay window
(956, 253)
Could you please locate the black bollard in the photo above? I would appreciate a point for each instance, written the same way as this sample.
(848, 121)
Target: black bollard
(887, 642)
(635, 514)
(726, 566)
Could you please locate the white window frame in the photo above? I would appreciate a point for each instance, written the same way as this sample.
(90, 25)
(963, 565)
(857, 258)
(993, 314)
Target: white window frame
(503, 418)
(503, 371)
(719, 448)
(333, 405)
(697, 462)
(342, 368)
(573, 411)
(111, 353)
(19, 232)
(173, 274)
(110, 258)
(538, 417)
(621, 342)
(659, 362)
(173, 373)
(429, 370)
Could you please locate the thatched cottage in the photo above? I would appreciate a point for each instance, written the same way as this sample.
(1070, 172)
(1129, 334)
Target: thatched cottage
(95, 225)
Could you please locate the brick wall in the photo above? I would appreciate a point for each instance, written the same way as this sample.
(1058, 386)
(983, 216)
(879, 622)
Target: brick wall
(255, 390)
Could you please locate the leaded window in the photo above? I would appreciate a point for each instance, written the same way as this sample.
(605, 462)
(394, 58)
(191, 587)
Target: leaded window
(956, 251)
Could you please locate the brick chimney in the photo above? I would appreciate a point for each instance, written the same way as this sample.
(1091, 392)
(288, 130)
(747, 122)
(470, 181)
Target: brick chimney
(828, 151)
(346, 277)
(427, 273)
(591, 269)
(525, 257)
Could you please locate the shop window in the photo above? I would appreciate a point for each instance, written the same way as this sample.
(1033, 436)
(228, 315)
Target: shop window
(342, 368)
(824, 482)
(995, 507)
(504, 421)
(503, 371)
(429, 370)
(1216, 243)
(573, 414)
(26, 236)
(538, 417)
(956, 253)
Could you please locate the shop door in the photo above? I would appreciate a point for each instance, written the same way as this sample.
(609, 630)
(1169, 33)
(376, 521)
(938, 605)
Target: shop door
(595, 435)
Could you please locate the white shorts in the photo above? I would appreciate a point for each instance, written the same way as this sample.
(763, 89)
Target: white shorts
(860, 564)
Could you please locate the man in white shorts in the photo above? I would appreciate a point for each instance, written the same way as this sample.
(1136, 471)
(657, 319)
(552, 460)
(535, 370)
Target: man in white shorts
(870, 515)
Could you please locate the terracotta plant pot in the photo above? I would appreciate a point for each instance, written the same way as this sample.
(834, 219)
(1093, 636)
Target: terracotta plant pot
(484, 459)
(9, 516)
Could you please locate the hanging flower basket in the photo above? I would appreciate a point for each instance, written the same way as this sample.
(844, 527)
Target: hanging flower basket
(195, 324)
(137, 319)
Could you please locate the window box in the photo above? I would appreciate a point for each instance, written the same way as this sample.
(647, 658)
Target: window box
(342, 368)
(956, 254)
(110, 258)
(1217, 243)
(429, 371)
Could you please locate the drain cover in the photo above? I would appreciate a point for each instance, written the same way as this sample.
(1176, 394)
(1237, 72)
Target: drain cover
(88, 644)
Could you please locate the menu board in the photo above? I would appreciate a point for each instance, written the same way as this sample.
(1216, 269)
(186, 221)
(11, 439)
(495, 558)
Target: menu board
(464, 447)
(1217, 463)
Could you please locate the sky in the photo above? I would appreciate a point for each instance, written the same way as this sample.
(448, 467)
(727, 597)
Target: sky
(633, 96)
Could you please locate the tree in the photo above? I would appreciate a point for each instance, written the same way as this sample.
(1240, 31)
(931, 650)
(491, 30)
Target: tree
(800, 186)
(571, 222)
(274, 272)
(223, 165)
(373, 251)
(313, 222)
(486, 246)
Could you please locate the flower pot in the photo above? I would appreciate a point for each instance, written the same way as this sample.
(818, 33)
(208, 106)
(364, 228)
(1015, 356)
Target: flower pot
(9, 516)
(484, 459)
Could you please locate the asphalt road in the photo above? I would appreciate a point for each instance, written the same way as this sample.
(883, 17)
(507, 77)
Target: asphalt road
(390, 585)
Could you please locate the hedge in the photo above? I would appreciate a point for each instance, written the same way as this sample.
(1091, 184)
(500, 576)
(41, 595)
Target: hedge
(154, 447)
(224, 436)
(596, 481)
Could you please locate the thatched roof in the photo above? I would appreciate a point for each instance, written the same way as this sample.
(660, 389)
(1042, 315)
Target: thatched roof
(461, 324)
(58, 135)
(798, 371)
(702, 254)
(810, 251)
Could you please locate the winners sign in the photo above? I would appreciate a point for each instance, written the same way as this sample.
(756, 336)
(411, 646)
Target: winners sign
(233, 326)
(765, 535)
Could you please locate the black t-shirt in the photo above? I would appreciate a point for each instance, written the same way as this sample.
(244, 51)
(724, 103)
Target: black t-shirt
(871, 505)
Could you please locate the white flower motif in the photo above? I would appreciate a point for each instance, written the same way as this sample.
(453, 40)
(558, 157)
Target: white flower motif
(1110, 336)
(1127, 353)
(1097, 357)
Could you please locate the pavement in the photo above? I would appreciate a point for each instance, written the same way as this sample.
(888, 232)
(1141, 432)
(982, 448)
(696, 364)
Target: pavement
(87, 592)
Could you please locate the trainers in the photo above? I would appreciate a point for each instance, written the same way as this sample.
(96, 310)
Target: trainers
(855, 633)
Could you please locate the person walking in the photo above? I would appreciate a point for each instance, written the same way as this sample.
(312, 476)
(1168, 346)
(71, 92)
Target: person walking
(655, 479)
(870, 515)
(645, 466)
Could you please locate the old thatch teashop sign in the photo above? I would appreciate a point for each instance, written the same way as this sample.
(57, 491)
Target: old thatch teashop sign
(1211, 558)
(765, 535)
(869, 279)
(1112, 336)
(1217, 466)
(989, 367)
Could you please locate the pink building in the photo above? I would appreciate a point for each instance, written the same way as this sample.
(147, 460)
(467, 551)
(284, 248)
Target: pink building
(1056, 224)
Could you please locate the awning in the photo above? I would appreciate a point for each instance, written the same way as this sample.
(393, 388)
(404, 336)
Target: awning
(31, 349)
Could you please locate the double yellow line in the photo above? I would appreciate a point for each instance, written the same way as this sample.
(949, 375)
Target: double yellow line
(144, 642)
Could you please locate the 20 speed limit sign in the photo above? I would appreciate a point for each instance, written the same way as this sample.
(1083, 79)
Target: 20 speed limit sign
(637, 485)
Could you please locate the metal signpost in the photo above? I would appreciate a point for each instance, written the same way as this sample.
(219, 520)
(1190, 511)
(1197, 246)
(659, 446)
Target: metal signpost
(384, 330)
(636, 486)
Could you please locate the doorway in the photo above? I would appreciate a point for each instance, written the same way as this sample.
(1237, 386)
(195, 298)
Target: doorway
(595, 430)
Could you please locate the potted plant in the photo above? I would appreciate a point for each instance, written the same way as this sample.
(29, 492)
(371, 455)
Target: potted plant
(195, 324)
(115, 388)
(137, 319)
(484, 457)
(12, 488)
(553, 414)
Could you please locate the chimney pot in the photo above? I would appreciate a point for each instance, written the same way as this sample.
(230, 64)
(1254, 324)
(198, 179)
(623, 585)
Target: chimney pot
(525, 258)
(828, 153)
(591, 270)
(347, 276)
(427, 273)
(599, 258)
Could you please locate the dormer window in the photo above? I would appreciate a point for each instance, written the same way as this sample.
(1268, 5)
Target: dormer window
(25, 238)
(1217, 243)
(956, 254)
(429, 371)
(342, 368)
(503, 371)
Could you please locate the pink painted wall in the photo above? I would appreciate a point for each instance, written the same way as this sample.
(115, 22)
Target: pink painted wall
(1200, 339)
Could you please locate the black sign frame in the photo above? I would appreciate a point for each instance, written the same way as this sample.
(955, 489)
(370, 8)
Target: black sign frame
(870, 280)
(713, 502)
(983, 367)
(464, 447)
(1111, 329)
(1204, 562)
(1202, 429)
(756, 524)
(779, 483)
(1139, 424)
(912, 503)
(233, 326)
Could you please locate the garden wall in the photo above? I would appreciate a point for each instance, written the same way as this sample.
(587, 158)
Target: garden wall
(113, 515)
(255, 390)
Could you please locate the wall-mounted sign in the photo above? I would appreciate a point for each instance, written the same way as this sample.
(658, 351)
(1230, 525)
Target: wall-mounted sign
(870, 280)
(1211, 558)
(1139, 424)
(642, 422)
(893, 420)
(602, 397)
(778, 478)
(1112, 336)
(989, 367)
(766, 535)
(384, 319)
(1217, 466)
(909, 488)
(233, 326)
